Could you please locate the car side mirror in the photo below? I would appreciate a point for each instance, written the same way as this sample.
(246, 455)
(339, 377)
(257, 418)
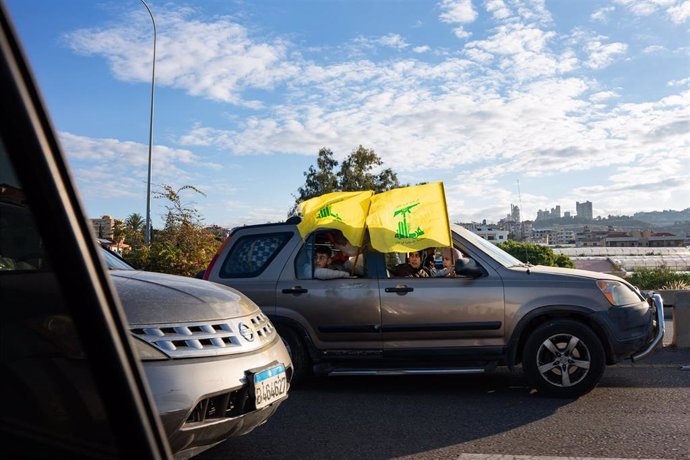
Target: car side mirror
(467, 267)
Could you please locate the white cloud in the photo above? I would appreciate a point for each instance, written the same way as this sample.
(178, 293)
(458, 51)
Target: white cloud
(498, 9)
(421, 49)
(461, 33)
(601, 55)
(680, 13)
(654, 49)
(111, 167)
(677, 10)
(216, 60)
(601, 14)
(393, 41)
(603, 96)
(457, 12)
(681, 82)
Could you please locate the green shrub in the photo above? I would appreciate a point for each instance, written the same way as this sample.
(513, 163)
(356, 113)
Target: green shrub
(536, 254)
(656, 278)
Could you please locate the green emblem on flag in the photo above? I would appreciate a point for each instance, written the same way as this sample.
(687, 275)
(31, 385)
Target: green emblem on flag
(403, 228)
(326, 212)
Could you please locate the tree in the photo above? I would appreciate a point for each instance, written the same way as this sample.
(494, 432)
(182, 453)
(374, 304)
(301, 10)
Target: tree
(134, 230)
(536, 254)
(183, 246)
(134, 222)
(118, 231)
(319, 180)
(356, 173)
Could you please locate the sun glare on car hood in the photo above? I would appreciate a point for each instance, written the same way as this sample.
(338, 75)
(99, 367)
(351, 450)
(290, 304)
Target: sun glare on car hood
(150, 298)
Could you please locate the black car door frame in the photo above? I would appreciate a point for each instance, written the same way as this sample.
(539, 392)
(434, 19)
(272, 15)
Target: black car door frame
(40, 166)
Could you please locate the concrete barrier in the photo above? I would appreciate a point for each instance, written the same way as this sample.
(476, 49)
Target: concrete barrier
(679, 300)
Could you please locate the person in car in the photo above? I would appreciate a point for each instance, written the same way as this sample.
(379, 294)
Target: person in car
(322, 265)
(449, 257)
(414, 267)
(349, 255)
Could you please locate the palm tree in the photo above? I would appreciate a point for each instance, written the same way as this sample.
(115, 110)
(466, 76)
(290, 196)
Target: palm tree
(134, 229)
(134, 222)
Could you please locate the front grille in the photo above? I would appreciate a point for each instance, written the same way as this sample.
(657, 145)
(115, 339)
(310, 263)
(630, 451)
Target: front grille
(231, 404)
(212, 338)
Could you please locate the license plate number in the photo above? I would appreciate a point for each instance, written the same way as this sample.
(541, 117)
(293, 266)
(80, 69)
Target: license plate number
(269, 385)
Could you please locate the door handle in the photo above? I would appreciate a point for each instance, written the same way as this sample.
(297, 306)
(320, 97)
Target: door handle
(399, 289)
(295, 290)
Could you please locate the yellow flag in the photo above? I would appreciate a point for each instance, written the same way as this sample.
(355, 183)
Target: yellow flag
(344, 211)
(409, 219)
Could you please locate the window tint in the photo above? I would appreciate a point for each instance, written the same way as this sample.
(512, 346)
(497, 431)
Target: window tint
(20, 244)
(48, 388)
(250, 255)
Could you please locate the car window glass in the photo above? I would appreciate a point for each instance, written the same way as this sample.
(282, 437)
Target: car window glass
(338, 258)
(431, 260)
(48, 388)
(251, 254)
(114, 262)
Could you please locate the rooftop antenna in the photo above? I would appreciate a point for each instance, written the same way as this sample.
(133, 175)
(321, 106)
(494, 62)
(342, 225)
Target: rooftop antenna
(521, 226)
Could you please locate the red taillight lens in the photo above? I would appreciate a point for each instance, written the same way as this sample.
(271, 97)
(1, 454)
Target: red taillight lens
(215, 258)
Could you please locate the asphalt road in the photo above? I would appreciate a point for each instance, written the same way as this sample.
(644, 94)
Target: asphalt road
(637, 411)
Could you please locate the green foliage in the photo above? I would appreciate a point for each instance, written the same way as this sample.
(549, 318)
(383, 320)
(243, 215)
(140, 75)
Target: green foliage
(134, 230)
(536, 254)
(356, 173)
(322, 179)
(183, 246)
(657, 278)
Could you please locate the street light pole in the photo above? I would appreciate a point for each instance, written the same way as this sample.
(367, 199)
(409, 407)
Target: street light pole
(147, 232)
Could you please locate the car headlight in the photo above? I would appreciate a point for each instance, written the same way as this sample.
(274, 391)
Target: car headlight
(617, 293)
(147, 352)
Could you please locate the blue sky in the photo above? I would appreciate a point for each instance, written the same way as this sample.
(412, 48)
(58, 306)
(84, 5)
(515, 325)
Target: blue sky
(573, 100)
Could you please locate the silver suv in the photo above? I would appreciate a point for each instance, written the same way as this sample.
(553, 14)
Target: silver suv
(562, 325)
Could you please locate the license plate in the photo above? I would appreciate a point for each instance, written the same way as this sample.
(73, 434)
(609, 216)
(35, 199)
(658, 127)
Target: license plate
(269, 385)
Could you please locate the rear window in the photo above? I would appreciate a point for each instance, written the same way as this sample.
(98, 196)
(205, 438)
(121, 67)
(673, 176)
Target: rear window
(251, 254)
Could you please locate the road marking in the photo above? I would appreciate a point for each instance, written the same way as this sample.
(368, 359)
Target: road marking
(535, 457)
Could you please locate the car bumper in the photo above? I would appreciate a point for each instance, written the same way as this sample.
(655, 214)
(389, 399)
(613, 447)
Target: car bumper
(203, 401)
(634, 330)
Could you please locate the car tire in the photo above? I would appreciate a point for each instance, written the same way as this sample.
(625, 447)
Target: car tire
(563, 358)
(298, 354)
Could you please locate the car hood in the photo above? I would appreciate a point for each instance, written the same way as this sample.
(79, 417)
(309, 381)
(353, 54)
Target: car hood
(569, 272)
(157, 298)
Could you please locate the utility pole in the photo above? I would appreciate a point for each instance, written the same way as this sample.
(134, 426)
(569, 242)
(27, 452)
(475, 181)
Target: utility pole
(147, 231)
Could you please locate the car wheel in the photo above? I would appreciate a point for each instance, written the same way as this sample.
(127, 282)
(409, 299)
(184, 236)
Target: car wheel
(298, 354)
(563, 358)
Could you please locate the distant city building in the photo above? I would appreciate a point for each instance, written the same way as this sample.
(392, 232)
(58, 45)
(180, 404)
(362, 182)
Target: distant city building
(489, 232)
(103, 227)
(511, 223)
(584, 210)
(514, 213)
(554, 213)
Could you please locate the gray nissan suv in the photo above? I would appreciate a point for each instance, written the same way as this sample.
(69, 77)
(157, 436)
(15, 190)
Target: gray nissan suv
(562, 325)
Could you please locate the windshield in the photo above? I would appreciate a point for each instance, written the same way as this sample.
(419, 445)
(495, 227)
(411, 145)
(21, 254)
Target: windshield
(496, 253)
(113, 262)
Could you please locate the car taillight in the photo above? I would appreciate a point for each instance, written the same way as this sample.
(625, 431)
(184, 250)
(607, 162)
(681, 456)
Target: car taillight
(215, 257)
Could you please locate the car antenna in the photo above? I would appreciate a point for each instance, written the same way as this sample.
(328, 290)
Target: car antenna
(521, 226)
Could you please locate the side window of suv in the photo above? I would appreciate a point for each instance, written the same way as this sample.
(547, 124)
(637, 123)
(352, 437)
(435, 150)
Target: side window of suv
(327, 255)
(251, 254)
